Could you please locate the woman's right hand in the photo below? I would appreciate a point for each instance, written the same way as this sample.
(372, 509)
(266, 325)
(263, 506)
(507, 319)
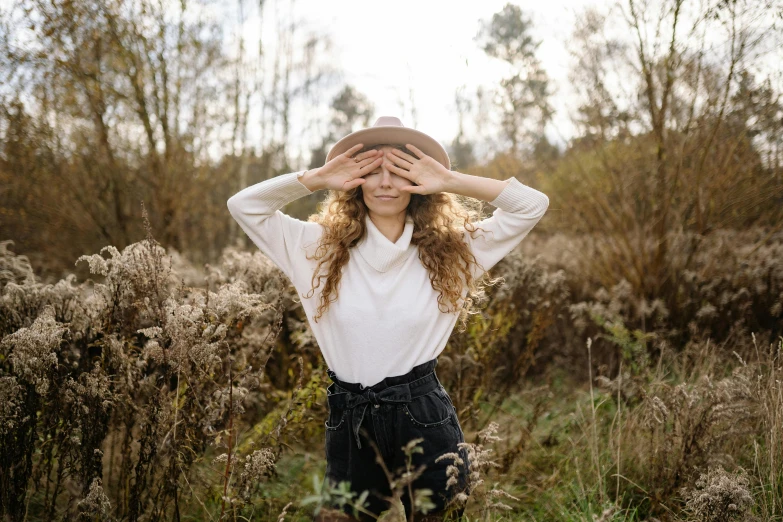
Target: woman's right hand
(343, 172)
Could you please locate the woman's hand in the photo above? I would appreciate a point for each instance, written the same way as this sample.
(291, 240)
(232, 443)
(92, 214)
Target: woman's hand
(344, 172)
(427, 175)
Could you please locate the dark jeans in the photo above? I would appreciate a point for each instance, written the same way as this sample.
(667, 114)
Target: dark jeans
(390, 414)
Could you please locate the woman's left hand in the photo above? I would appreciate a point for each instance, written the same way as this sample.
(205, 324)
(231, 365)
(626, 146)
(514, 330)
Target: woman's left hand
(427, 175)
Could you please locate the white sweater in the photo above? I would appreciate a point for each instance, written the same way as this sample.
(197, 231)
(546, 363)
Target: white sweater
(386, 319)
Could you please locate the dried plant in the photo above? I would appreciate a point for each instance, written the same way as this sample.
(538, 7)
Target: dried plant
(339, 496)
(117, 394)
(127, 382)
(719, 496)
(486, 498)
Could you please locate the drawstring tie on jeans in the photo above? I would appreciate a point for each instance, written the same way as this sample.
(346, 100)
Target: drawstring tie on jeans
(358, 402)
(399, 394)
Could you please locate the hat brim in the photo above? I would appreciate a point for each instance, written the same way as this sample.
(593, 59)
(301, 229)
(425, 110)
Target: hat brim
(392, 135)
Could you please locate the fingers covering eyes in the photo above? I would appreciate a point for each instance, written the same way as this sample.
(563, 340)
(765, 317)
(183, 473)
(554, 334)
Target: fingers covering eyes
(369, 162)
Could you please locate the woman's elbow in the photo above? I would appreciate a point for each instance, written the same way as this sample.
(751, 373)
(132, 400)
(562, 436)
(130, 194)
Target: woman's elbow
(233, 205)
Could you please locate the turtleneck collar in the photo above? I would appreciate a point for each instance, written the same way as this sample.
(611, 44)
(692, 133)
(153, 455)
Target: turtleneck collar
(380, 252)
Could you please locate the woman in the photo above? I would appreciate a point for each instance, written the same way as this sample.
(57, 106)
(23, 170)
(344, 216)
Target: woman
(401, 259)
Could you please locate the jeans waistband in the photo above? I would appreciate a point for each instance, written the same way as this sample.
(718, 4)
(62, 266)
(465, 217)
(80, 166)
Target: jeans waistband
(398, 389)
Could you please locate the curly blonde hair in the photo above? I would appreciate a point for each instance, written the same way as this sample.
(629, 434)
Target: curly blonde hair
(438, 220)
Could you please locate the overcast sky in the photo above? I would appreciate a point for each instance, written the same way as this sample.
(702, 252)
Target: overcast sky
(427, 46)
(393, 51)
(423, 49)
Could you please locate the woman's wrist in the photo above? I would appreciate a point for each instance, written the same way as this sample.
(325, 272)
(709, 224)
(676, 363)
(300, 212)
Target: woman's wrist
(310, 180)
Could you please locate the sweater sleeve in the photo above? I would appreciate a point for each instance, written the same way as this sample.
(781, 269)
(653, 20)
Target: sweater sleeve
(257, 210)
(519, 208)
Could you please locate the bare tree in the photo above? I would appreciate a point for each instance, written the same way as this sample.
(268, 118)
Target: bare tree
(524, 96)
(666, 141)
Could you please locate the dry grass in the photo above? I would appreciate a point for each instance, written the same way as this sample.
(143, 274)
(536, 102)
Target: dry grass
(144, 396)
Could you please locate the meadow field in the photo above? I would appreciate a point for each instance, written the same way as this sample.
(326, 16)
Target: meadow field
(625, 361)
(152, 390)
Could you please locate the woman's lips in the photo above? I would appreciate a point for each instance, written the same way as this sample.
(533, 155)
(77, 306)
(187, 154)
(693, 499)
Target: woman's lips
(386, 197)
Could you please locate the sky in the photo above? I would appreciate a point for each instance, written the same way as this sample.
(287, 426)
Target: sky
(387, 50)
(428, 46)
(392, 52)
(424, 49)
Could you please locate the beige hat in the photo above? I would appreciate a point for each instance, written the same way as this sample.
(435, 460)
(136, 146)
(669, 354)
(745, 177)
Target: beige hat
(390, 130)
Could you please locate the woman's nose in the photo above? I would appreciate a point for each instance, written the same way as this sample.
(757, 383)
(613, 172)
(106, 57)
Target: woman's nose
(386, 175)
